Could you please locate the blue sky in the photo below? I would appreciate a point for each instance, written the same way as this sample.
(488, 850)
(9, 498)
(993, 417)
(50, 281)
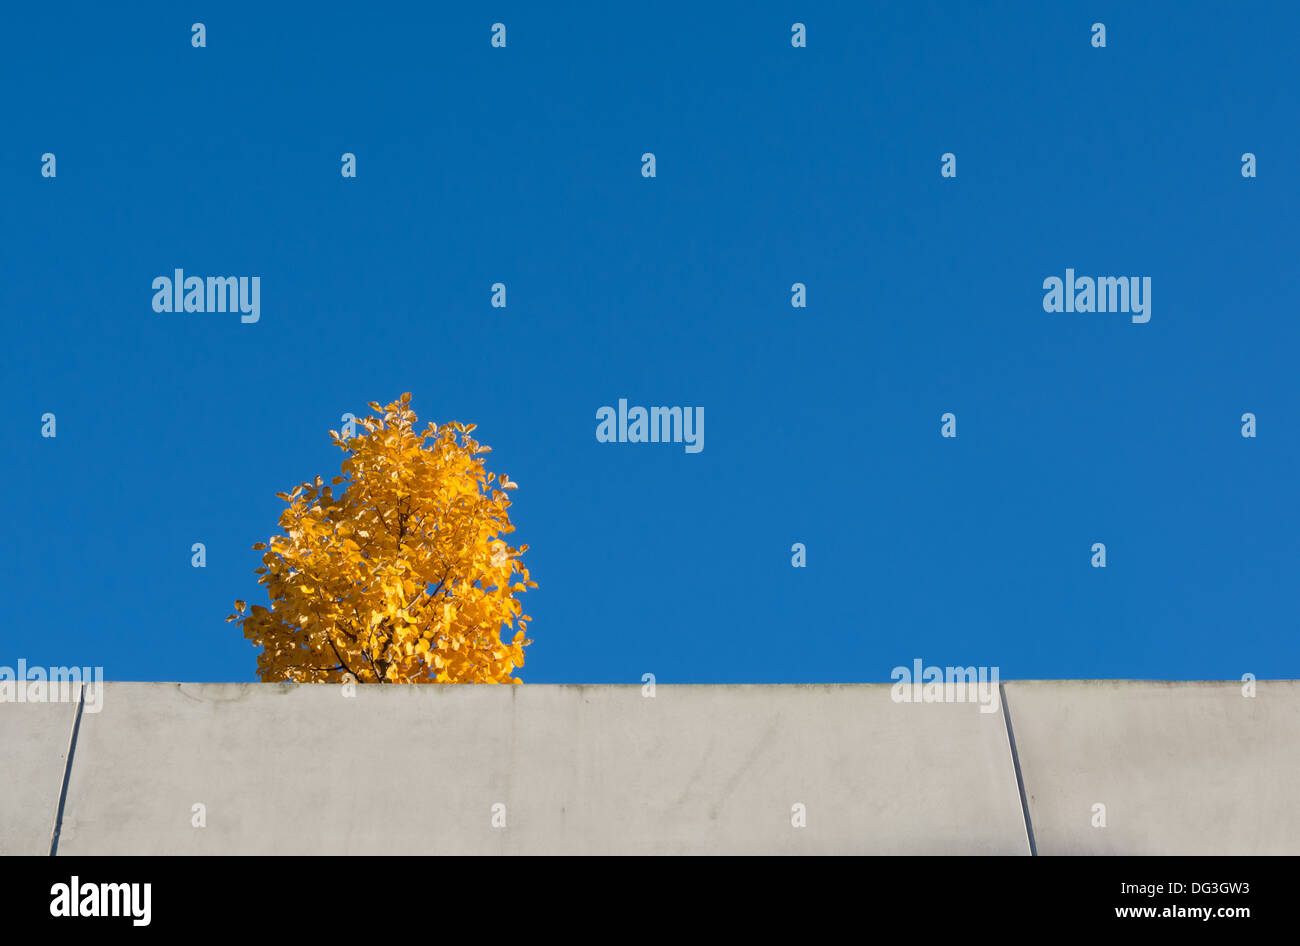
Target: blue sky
(775, 165)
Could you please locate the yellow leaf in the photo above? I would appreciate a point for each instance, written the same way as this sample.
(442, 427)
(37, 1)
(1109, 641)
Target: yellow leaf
(408, 580)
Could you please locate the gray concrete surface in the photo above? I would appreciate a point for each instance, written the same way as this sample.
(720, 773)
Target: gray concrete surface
(34, 741)
(597, 769)
(1182, 768)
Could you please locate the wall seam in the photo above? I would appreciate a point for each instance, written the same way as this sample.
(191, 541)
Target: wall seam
(67, 771)
(1020, 779)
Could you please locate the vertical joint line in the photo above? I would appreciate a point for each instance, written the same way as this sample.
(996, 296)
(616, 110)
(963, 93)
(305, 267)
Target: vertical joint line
(1020, 779)
(67, 771)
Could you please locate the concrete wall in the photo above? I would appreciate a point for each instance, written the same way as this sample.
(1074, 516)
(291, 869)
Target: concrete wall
(696, 769)
(34, 740)
(1182, 768)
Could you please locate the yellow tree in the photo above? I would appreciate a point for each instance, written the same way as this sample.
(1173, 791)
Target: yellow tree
(399, 576)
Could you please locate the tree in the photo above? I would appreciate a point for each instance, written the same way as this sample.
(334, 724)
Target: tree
(400, 577)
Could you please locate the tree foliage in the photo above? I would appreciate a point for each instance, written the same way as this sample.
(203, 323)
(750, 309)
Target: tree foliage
(397, 571)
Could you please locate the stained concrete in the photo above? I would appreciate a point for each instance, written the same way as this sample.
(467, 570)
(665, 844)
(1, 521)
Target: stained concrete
(34, 741)
(579, 769)
(1181, 768)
